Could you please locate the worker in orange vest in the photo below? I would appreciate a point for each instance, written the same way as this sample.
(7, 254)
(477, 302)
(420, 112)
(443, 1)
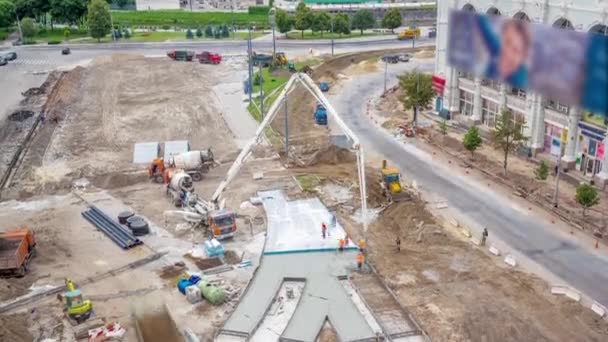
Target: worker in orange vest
(359, 260)
(323, 229)
(341, 245)
(362, 245)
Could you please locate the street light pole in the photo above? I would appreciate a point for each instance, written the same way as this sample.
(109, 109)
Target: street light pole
(232, 19)
(385, 72)
(286, 132)
(261, 94)
(556, 194)
(19, 27)
(332, 35)
(249, 52)
(274, 47)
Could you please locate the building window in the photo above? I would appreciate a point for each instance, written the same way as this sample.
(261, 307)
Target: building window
(489, 110)
(518, 92)
(467, 75)
(466, 103)
(555, 105)
(518, 117)
(491, 83)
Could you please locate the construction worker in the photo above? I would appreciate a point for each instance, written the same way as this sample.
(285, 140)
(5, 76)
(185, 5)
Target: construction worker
(341, 245)
(484, 236)
(359, 260)
(346, 239)
(361, 245)
(398, 242)
(323, 229)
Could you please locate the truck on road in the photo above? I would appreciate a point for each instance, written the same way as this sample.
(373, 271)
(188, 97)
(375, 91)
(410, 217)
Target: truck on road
(207, 57)
(17, 248)
(194, 163)
(181, 55)
(320, 115)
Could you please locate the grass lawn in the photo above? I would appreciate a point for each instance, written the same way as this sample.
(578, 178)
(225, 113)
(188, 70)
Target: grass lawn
(297, 35)
(187, 19)
(308, 182)
(161, 36)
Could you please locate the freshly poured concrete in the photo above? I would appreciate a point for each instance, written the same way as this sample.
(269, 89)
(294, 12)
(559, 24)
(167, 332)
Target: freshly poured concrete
(296, 226)
(301, 254)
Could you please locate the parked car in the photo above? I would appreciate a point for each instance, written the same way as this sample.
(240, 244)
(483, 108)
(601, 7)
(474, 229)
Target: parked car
(65, 51)
(324, 86)
(393, 59)
(3, 61)
(405, 57)
(10, 55)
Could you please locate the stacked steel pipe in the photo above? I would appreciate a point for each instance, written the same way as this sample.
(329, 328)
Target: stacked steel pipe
(116, 232)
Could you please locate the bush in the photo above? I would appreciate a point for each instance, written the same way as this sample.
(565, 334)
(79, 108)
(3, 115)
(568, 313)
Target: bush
(187, 19)
(199, 32)
(225, 31)
(165, 27)
(189, 34)
(66, 33)
(542, 171)
(117, 34)
(217, 33)
(257, 79)
(209, 31)
(127, 34)
(28, 27)
(54, 42)
(258, 10)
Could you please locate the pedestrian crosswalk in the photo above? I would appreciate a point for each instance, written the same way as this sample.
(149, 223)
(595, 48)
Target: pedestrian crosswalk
(27, 61)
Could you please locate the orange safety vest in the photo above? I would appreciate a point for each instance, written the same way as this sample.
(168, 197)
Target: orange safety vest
(341, 243)
(359, 258)
(362, 244)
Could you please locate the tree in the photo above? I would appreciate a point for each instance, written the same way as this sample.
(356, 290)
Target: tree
(99, 19)
(7, 13)
(471, 140)
(217, 33)
(189, 34)
(225, 31)
(28, 27)
(392, 19)
(341, 24)
(199, 32)
(587, 197)
(283, 21)
(443, 127)
(66, 33)
(418, 91)
(363, 20)
(126, 33)
(68, 11)
(542, 171)
(24, 8)
(507, 134)
(304, 18)
(208, 31)
(321, 22)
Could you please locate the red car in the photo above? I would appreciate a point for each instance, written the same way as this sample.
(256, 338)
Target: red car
(207, 57)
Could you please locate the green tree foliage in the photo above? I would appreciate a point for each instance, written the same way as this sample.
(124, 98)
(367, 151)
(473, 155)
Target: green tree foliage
(258, 9)
(341, 24)
(98, 18)
(121, 3)
(304, 18)
(586, 196)
(189, 34)
(542, 171)
(28, 27)
(117, 33)
(283, 21)
(66, 33)
(7, 13)
(321, 22)
(392, 19)
(68, 11)
(126, 33)
(418, 91)
(363, 20)
(507, 135)
(199, 32)
(217, 32)
(471, 140)
(443, 127)
(208, 31)
(225, 31)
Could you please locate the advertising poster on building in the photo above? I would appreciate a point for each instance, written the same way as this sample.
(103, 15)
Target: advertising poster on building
(567, 66)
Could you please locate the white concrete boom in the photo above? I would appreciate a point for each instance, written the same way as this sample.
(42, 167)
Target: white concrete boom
(309, 84)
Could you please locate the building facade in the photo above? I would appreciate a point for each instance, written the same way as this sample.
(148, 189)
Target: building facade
(576, 137)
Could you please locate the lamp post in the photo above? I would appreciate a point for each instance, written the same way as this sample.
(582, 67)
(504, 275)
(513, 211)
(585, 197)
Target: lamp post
(271, 21)
(261, 95)
(332, 35)
(249, 53)
(385, 73)
(286, 132)
(232, 19)
(19, 27)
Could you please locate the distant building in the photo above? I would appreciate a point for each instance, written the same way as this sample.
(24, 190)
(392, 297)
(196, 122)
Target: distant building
(147, 5)
(552, 128)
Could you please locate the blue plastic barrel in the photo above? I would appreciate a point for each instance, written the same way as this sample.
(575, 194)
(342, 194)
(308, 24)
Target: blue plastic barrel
(182, 284)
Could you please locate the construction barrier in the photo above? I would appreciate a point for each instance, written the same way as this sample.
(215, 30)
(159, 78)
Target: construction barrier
(561, 290)
(573, 294)
(466, 232)
(558, 290)
(510, 260)
(494, 250)
(598, 308)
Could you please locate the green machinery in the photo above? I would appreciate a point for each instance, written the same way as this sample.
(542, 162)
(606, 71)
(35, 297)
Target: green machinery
(77, 308)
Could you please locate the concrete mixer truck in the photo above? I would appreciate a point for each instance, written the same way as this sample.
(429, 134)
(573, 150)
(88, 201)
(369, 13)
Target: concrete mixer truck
(194, 163)
(179, 185)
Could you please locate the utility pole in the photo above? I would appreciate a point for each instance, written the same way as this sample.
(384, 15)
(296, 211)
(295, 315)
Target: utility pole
(556, 194)
(286, 132)
(261, 95)
(249, 53)
(112, 26)
(385, 73)
(332, 35)
(232, 19)
(415, 30)
(271, 21)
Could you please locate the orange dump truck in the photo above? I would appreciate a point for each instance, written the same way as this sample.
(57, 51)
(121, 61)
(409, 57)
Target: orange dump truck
(17, 247)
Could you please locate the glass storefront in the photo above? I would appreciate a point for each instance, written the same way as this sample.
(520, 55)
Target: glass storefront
(466, 103)
(489, 111)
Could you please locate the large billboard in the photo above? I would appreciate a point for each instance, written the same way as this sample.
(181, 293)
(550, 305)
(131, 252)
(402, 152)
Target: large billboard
(563, 65)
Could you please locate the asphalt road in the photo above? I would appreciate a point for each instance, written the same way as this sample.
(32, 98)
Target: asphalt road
(530, 235)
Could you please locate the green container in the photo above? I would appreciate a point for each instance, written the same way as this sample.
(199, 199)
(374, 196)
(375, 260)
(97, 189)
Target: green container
(213, 294)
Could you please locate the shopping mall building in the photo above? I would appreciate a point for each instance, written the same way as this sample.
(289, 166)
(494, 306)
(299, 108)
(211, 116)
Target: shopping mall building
(553, 129)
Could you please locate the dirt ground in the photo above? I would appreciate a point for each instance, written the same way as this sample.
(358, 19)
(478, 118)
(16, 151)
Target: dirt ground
(131, 99)
(520, 175)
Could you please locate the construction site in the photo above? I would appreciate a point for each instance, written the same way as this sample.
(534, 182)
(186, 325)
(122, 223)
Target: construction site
(118, 239)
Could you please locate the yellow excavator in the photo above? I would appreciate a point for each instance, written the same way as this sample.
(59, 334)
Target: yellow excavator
(391, 184)
(77, 308)
(409, 33)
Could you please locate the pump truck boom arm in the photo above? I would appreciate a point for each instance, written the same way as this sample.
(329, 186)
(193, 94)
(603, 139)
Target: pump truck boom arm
(310, 85)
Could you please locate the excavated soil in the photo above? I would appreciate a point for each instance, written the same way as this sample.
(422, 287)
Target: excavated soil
(13, 328)
(95, 115)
